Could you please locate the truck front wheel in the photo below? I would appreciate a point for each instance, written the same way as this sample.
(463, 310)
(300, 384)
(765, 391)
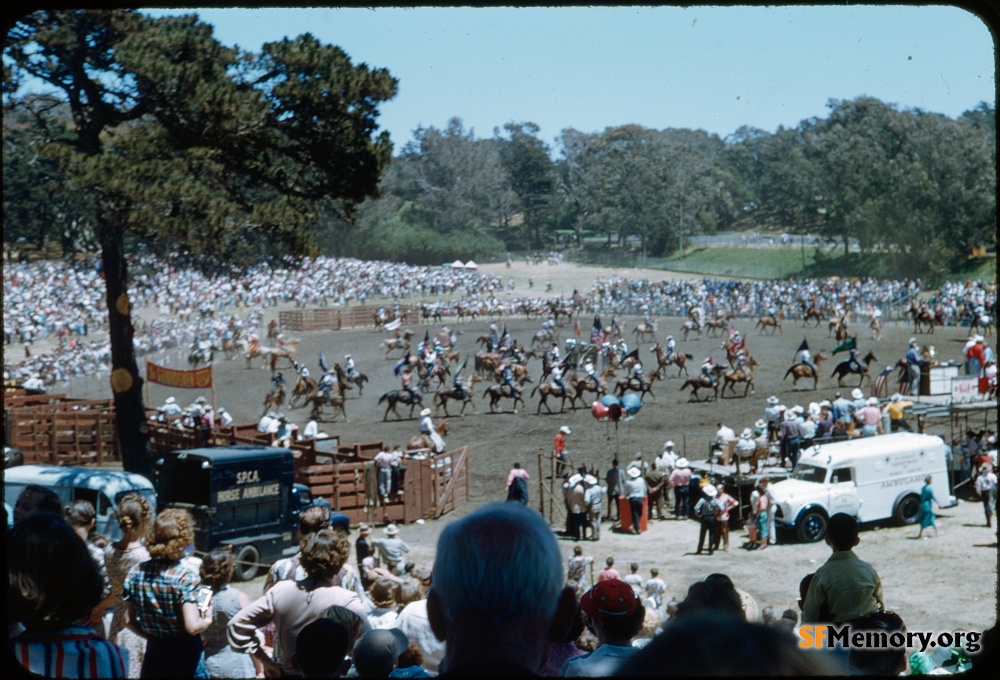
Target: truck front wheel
(812, 526)
(907, 510)
(247, 560)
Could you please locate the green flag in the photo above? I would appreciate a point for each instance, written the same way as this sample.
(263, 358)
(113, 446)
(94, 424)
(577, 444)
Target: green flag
(847, 345)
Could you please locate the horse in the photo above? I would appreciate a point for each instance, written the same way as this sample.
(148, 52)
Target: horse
(498, 392)
(642, 330)
(623, 385)
(844, 369)
(586, 384)
(402, 343)
(772, 321)
(801, 370)
(233, 346)
(272, 330)
(542, 337)
(811, 313)
(431, 312)
(876, 328)
(700, 382)
(303, 388)
(318, 399)
(678, 358)
(422, 441)
(982, 322)
(737, 375)
(412, 399)
(274, 399)
(715, 327)
(445, 394)
(920, 317)
(691, 326)
(199, 355)
(550, 389)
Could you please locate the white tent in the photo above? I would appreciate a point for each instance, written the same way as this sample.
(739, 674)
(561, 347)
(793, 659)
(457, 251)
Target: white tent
(457, 264)
(471, 265)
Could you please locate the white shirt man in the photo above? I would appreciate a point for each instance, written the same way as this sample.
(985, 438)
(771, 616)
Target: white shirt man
(225, 419)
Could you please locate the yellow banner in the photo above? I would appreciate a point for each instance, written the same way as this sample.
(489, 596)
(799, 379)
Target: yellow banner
(198, 378)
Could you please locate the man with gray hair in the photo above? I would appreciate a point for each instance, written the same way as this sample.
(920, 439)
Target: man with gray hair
(499, 595)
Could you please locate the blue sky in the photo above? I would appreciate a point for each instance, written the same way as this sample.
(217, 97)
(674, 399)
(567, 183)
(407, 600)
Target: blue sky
(708, 68)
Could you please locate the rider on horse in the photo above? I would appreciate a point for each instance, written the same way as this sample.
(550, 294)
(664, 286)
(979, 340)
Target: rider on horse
(303, 370)
(588, 368)
(855, 363)
(637, 375)
(706, 371)
(508, 379)
(279, 382)
(805, 357)
(671, 347)
(349, 366)
(458, 387)
(557, 378)
(554, 353)
(326, 384)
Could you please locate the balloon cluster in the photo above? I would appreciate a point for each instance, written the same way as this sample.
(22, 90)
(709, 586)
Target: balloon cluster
(613, 408)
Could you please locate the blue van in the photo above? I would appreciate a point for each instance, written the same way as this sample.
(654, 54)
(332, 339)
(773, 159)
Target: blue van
(101, 487)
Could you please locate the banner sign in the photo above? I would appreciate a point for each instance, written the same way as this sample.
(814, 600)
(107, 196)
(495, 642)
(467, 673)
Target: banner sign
(965, 389)
(198, 378)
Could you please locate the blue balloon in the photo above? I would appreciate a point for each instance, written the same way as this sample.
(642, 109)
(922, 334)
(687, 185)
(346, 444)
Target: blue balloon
(609, 399)
(631, 402)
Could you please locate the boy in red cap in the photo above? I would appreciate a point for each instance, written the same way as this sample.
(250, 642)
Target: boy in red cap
(614, 615)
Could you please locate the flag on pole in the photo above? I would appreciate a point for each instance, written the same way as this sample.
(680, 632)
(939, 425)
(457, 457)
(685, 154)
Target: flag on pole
(462, 367)
(597, 333)
(879, 383)
(634, 354)
(394, 324)
(847, 345)
(802, 346)
(322, 362)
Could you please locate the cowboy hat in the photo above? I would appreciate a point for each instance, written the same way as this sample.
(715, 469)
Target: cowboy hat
(912, 341)
(668, 444)
(575, 479)
(364, 529)
(565, 430)
(682, 462)
(772, 400)
(872, 401)
(633, 472)
(391, 530)
(425, 412)
(590, 479)
(747, 433)
(856, 393)
(790, 414)
(710, 491)
(760, 424)
(897, 396)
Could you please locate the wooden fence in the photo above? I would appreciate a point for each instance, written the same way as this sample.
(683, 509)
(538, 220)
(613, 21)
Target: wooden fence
(54, 429)
(327, 319)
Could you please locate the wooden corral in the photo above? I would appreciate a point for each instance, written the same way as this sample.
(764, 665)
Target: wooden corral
(57, 430)
(327, 319)
(345, 474)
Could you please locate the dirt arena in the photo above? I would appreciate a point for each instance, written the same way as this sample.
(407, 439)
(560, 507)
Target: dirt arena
(948, 582)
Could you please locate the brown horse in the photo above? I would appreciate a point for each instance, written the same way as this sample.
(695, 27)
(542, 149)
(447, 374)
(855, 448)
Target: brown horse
(550, 389)
(800, 370)
(921, 317)
(738, 375)
(445, 394)
(422, 441)
(715, 327)
(498, 392)
(811, 313)
(402, 343)
(622, 385)
(691, 326)
(876, 328)
(700, 383)
(274, 399)
(336, 400)
(303, 388)
(680, 359)
(772, 321)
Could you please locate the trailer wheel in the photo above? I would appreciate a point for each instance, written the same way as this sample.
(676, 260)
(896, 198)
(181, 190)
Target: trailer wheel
(246, 563)
(812, 527)
(907, 510)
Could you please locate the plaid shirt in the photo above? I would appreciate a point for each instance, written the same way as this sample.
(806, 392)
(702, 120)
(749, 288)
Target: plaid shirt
(159, 588)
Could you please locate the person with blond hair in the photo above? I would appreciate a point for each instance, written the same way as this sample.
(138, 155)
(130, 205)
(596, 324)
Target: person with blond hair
(161, 600)
(134, 514)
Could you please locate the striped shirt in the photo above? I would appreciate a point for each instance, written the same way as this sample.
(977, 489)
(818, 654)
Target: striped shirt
(158, 589)
(73, 652)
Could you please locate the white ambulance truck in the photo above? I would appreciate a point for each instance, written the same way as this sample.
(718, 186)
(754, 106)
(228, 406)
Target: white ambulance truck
(871, 478)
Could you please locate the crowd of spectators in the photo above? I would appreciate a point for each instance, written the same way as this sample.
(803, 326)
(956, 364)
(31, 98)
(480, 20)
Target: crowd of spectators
(487, 607)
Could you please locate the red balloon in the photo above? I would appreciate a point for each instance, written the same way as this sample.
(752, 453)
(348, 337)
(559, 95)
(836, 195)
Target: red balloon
(599, 410)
